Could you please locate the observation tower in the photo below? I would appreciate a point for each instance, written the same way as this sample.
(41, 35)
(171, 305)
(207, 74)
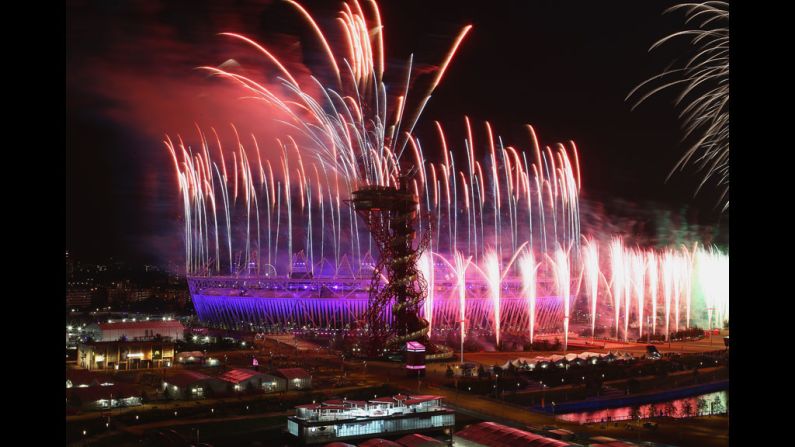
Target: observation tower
(390, 214)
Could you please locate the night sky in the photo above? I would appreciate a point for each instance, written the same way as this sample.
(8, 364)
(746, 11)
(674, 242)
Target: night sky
(563, 66)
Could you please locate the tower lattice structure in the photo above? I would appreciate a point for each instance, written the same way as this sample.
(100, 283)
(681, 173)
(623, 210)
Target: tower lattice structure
(390, 214)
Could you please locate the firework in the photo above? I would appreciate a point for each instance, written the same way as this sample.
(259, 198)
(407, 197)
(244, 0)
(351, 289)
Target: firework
(528, 267)
(562, 270)
(704, 98)
(493, 277)
(591, 261)
(514, 199)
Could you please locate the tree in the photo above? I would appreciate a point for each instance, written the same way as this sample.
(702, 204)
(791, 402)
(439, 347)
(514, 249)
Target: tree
(670, 409)
(687, 408)
(653, 410)
(702, 406)
(635, 412)
(717, 405)
(511, 368)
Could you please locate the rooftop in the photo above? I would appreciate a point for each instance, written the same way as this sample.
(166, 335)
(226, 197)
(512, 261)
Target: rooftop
(154, 324)
(418, 440)
(85, 377)
(187, 377)
(498, 435)
(95, 393)
(374, 408)
(238, 375)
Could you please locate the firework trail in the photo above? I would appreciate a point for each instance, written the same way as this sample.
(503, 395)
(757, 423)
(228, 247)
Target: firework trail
(617, 278)
(591, 261)
(528, 267)
(493, 275)
(349, 129)
(652, 262)
(668, 277)
(427, 270)
(639, 276)
(563, 275)
(459, 269)
(704, 96)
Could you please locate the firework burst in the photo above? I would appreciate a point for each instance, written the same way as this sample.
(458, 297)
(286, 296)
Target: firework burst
(704, 97)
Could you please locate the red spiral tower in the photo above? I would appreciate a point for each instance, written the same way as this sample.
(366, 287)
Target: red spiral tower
(390, 214)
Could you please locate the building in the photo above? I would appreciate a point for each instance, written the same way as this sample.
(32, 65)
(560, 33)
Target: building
(125, 355)
(103, 397)
(342, 420)
(179, 296)
(78, 297)
(248, 380)
(190, 357)
(188, 384)
(332, 303)
(137, 295)
(491, 434)
(415, 358)
(141, 330)
(296, 378)
(81, 378)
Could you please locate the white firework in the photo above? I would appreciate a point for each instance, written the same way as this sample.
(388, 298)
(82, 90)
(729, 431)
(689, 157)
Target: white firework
(704, 99)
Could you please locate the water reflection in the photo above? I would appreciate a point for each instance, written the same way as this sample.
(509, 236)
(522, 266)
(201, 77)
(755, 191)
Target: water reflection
(702, 405)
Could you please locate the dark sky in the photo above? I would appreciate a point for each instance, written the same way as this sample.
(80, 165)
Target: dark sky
(563, 66)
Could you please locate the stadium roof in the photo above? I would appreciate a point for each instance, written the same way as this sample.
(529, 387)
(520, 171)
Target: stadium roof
(498, 435)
